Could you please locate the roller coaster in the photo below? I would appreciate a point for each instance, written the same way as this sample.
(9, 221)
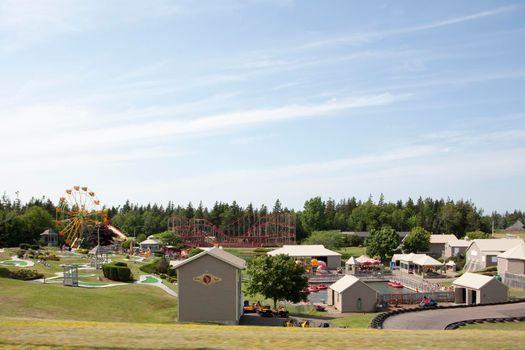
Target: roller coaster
(249, 231)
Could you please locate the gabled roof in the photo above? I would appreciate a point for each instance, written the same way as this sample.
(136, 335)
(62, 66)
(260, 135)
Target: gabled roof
(150, 241)
(350, 261)
(304, 251)
(517, 226)
(219, 254)
(346, 282)
(472, 280)
(49, 232)
(460, 243)
(426, 260)
(442, 238)
(451, 263)
(498, 245)
(518, 253)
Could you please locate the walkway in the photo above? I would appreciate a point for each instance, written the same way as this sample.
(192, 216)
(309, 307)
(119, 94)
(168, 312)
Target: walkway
(440, 318)
(157, 282)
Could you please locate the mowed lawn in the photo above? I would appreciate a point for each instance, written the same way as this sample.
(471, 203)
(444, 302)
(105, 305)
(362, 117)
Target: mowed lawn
(32, 334)
(128, 303)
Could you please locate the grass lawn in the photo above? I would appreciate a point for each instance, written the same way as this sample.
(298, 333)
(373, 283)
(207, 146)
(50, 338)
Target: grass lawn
(513, 292)
(136, 303)
(32, 333)
(347, 252)
(507, 326)
(355, 321)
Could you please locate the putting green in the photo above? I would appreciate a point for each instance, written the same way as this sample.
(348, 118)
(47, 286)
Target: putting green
(150, 279)
(18, 263)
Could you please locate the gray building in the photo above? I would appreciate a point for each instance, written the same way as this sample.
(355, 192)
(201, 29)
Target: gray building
(210, 287)
(317, 251)
(350, 294)
(472, 288)
(437, 244)
(151, 243)
(512, 261)
(484, 252)
(454, 248)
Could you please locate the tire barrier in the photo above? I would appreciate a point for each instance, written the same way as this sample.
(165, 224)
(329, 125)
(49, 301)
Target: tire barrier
(378, 321)
(456, 325)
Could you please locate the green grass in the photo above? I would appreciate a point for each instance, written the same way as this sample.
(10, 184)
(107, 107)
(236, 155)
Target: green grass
(507, 326)
(355, 321)
(34, 334)
(136, 303)
(513, 292)
(347, 252)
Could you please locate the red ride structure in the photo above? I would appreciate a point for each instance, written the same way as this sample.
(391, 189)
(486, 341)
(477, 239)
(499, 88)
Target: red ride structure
(249, 231)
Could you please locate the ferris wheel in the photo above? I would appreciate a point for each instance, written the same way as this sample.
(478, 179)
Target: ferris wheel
(78, 209)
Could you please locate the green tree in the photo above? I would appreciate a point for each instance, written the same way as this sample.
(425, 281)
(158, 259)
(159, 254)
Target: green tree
(478, 235)
(35, 220)
(277, 278)
(382, 243)
(417, 240)
(170, 238)
(141, 237)
(194, 252)
(330, 239)
(313, 217)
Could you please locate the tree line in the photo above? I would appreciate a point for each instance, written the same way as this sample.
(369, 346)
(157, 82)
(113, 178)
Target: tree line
(23, 222)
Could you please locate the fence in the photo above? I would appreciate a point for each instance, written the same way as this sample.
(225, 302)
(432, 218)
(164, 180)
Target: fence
(514, 281)
(416, 283)
(415, 298)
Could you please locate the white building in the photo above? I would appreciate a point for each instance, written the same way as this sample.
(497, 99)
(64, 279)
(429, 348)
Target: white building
(318, 251)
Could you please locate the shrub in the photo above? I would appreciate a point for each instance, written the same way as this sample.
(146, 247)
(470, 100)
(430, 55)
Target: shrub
(158, 253)
(117, 272)
(4, 272)
(82, 250)
(26, 275)
(195, 251)
(34, 246)
(121, 264)
(21, 253)
(171, 271)
(163, 276)
(162, 266)
(172, 279)
(24, 246)
(150, 267)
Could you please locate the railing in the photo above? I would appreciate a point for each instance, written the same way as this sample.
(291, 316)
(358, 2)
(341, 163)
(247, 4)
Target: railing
(415, 298)
(416, 283)
(513, 280)
(328, 278)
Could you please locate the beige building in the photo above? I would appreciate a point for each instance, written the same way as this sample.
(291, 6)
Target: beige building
(418, 264)
(350, 294)
(472, 288)
(512, 261)
(210, 287)
(484, 252)
(150, 244)
(438, 242)
(317, 251)
(454, 248)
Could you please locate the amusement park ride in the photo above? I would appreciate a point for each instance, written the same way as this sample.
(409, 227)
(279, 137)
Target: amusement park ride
(249, 231)
(78, 210)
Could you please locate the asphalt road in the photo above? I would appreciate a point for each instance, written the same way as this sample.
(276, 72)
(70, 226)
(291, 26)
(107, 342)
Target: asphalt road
(439, 319)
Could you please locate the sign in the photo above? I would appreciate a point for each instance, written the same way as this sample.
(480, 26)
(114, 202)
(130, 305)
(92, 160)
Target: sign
(207, 279)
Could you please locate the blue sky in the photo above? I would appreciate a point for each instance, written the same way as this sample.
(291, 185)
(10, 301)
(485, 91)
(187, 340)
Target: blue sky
(256, 100)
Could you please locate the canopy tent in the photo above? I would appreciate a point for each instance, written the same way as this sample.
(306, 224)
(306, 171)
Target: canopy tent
(366, 260)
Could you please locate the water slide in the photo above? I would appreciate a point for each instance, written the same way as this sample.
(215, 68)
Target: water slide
(120, 236)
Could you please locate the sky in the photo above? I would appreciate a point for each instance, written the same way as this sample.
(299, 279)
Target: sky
(254, 100)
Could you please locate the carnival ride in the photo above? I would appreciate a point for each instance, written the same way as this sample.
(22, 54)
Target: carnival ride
(78, 211)
(249, 231)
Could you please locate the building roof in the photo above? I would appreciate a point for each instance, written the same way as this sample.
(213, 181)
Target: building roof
(350, 261)
(426, 260)
(150, 241)
(344, 283)
(49, 232)
(366, 234)
(517, 253)
(472, 280)
(460, 243)
(304, 251)
(496, 246)
(517, 226)
(442, 238)
(450, 263)
(219, 254)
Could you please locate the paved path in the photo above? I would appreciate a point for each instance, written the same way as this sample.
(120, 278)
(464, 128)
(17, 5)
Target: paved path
(440, 318)
(148, 280)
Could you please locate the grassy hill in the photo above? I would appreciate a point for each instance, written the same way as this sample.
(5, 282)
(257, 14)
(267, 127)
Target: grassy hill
(89, 335)
(129, 303)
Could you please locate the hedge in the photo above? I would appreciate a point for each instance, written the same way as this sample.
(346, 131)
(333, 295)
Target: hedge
(26, 275)
(117, 272)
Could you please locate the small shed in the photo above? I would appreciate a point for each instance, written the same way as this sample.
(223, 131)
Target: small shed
(472, 288)
(150, 244)
(50, 237)
(350, 294)
(210, 287)
(315, 251)
(512, 261)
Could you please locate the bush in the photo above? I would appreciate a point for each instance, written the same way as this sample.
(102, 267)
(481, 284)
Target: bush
(158, 253)
(162, 266)
(35, 247)
(121, 264)
(353, 241)
(171, 271)
(117, 272)
(150, 267)
(82, 250)
(163, 276)
(172, 279)
(194, 252)
(24, 246)
(26, 275)
(4, 272)
(21, 253)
